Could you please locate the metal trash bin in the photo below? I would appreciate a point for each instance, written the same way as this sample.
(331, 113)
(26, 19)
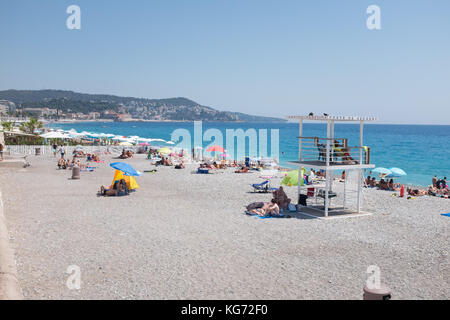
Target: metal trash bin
(75, 173)
(37, 151)
(381, 293)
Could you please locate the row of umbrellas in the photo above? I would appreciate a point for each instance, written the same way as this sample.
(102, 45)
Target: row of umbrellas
(73, 134)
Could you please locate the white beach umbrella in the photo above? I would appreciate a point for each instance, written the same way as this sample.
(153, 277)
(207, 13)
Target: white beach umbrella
(160, 140)
(120, 138)
(55, 135)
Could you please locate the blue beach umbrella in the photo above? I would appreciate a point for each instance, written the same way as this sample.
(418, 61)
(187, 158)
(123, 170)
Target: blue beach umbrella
(396, 172)
(381, 170)
(125, 168)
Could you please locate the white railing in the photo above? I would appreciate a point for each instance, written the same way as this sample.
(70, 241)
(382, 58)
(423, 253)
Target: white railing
(48, 150)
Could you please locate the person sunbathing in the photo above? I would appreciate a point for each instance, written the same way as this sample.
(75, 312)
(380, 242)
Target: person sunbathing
(416, 192)
(433, 190)
(167, 162)
(261, 211)
(242, 170)
(180, 165)
(124, 155)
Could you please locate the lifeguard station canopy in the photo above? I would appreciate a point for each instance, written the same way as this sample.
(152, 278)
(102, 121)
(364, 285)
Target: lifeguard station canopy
(330, 153)
(328, 141)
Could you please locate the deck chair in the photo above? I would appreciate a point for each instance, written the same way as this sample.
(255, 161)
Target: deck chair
(261, 187)
(202, 171)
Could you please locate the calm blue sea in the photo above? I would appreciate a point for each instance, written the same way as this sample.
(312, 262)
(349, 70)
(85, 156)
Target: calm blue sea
(421, 150)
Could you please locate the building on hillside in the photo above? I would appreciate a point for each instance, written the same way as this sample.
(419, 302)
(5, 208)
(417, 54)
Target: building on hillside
(3, 110)
(124, 117)
(109, 114)
(94, 115)
(7, 106)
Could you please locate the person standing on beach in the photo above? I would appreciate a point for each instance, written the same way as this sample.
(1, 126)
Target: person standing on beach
(62, 151)
(55, 149)
(1, 152)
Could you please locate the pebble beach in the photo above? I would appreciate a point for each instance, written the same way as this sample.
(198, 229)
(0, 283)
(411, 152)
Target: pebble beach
(183, 235)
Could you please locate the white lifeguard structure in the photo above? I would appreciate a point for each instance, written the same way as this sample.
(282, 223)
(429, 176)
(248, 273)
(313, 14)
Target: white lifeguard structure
(328, 154)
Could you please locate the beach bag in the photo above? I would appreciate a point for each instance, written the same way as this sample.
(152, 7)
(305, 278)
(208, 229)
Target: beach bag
(302, 200)
(255, 205)
(292, 208)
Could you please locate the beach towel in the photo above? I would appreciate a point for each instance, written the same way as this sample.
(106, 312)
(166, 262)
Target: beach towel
(270, 217)
(445, 214)
(265, 217)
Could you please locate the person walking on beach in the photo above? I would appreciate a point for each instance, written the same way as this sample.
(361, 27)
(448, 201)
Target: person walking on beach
(62, 151)
(1, 152)
(55, 149)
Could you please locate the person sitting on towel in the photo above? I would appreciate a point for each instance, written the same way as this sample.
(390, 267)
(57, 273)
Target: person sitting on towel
(119, 186)
(273, 208)
(281, 198)
(180, 166)
(61, 163)
(167, 162)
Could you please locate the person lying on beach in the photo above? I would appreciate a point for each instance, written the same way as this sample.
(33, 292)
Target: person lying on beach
(78, 153)
(207, 166)
(416, 192)
(242, 170)
(261, 211)
(321, 173)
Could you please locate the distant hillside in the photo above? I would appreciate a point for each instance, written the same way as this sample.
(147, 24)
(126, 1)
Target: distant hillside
(140, 108)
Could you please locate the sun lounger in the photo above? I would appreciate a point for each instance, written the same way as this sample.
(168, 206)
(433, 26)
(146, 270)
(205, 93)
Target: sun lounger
(261, 187)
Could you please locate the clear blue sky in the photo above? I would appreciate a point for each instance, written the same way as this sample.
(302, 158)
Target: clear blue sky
(272, 58)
